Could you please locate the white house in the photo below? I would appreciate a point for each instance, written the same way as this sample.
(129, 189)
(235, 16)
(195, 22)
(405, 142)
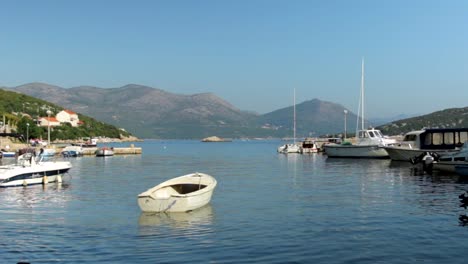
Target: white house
(46, 121)
(67, 116)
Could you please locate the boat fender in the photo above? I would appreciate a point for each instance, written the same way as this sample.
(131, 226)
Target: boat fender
(25, 183)
(59, 179)
(45, 180)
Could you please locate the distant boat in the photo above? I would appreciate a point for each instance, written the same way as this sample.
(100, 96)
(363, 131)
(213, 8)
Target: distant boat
(104, 152)
(291, 147)
(47, 152)
(309, 146)
(72, 151)
(181, 194)
(91, 143)
(370, 142)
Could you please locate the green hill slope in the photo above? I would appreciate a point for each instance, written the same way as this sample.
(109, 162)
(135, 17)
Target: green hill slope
(17, 110)
(448, 118)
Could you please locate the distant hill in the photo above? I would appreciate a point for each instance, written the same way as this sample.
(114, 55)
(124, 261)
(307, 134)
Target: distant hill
(313, 118)
(448, 118)
(148, 112)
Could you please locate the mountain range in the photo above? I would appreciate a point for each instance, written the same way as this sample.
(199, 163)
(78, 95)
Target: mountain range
(148, 112)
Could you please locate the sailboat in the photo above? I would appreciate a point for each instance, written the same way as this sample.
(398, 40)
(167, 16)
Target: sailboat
(369, 142)
(292, 147)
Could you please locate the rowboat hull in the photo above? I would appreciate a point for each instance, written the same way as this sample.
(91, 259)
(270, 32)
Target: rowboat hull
(181, 194)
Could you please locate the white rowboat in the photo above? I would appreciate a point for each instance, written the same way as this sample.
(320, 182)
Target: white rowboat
(181, 194)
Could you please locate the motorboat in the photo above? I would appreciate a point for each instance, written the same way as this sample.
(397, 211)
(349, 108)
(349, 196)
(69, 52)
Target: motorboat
(309, 146)
(29, 170)
(72, 151)
(436, 140)
(443, 162)
(369, 142)
(180, 194)
(105, 152)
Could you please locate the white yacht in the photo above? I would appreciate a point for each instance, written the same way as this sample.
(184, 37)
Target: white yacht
(369, 142)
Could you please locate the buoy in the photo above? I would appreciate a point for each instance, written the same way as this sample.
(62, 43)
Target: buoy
(59, 179)
(45, 180)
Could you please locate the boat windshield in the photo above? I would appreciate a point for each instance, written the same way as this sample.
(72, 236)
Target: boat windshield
(378, 133)
(410, 138)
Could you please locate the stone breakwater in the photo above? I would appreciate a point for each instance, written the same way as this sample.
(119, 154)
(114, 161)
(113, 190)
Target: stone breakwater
(14, 145)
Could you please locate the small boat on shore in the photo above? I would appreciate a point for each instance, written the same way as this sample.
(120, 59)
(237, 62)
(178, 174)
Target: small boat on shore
(105, 152)
(181, 194)
(28, 171)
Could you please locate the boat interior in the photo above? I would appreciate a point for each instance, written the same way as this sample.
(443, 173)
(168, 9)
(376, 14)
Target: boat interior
(187, 187)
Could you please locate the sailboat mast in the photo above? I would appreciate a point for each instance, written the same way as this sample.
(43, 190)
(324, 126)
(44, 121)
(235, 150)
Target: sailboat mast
(362, 94)
(294, 116)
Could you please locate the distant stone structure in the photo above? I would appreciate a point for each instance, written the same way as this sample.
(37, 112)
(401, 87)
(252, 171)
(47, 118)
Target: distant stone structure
(215, 139)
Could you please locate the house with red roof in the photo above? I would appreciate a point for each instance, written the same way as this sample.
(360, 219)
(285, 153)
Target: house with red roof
(48, 121)
(68, 116)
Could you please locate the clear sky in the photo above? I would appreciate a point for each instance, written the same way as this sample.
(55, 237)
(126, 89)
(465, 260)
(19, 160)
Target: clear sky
(252, 53)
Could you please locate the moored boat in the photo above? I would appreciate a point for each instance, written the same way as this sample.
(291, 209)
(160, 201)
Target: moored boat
(462, 169)
(28, 171)
(181, 194)
(369, 142)
(72, 151)
(291, 147)
(309, 146)
(104, 152)
(436, 140)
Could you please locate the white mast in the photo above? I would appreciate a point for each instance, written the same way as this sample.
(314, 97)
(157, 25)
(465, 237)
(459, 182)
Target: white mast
(362, 94)
(361, 103)
(294, 116)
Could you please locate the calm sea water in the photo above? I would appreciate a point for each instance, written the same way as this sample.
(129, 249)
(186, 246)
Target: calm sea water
(267, 208)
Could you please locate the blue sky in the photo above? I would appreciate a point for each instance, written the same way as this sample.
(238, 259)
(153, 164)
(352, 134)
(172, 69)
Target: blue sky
(250, 53)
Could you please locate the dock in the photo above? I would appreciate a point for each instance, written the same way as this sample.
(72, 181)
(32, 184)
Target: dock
(117, 151)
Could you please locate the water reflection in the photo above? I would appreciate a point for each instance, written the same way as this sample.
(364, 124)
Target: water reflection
(189, 220)
(35, 195)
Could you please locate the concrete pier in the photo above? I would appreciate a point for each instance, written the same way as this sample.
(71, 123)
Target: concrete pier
(117, 151)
